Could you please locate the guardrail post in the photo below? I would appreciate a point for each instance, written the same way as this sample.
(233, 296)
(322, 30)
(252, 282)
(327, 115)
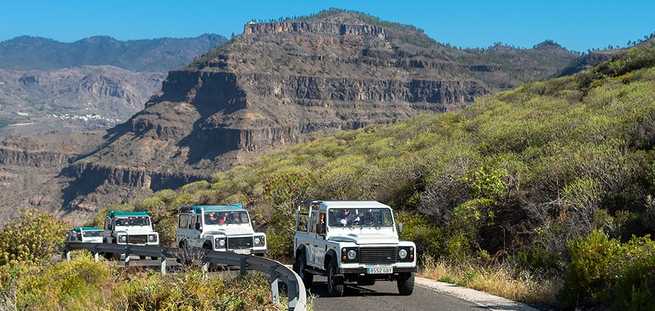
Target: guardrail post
(275, 292)
(292, 293)
(243, 265)
(163, 265)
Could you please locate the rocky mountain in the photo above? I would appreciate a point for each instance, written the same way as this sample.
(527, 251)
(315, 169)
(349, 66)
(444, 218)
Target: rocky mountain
(72, 99)
(162, 54)
(281, 81)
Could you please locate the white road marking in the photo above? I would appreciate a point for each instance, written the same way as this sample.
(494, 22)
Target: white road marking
(479, 298)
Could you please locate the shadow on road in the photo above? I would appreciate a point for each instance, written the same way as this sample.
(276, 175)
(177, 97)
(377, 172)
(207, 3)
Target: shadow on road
(320, 290)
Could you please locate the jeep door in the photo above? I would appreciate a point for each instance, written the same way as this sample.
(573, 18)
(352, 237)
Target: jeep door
(320, 243)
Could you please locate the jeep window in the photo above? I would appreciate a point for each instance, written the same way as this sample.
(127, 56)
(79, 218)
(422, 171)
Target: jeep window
(91, 234)
(320, 226)
(313, 217)
(226, 218)
(133, 221)
(185, 221)
(364, 217)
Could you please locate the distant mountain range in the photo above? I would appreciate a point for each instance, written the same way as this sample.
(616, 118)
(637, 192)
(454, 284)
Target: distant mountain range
(163, 54)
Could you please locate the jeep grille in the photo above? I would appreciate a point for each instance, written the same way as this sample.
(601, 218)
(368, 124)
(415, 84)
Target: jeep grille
(239, 243)
(377, 255)
(137, 239)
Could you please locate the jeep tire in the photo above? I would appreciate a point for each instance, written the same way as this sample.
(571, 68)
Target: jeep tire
(405, 283)
(300, 266)
(334, 281)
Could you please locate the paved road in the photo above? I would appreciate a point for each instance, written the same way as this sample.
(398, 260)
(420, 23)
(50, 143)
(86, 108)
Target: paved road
(384, 296)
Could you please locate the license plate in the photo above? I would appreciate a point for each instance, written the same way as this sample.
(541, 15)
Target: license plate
(242, 251)
(379, 269)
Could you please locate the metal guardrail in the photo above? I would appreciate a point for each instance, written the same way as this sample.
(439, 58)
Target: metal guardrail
(276, 271)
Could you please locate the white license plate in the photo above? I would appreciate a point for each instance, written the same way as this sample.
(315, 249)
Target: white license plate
(379, 269)
(242, 251)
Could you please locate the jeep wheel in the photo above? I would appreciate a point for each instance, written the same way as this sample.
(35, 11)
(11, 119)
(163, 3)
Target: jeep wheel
(186, 254)
(334, 281)
(406, 283)
(299, 266)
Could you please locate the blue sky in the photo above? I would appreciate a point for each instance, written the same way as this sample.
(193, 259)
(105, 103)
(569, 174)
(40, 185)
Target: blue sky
(576, 24)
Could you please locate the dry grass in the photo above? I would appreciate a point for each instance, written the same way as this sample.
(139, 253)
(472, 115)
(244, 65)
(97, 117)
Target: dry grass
(500, 280)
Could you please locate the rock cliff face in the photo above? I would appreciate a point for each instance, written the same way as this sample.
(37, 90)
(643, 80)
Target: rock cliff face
(72, 99)
(277, 83)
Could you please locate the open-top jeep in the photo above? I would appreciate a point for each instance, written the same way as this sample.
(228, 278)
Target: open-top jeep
(352, 241)
(85, 235)
(219, 228)
(134, 228)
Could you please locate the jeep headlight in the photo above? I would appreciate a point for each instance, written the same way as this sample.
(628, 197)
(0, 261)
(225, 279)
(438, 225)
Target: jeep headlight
(122, 238)
(219, 242)
(349, 254)
(259, 241)
(402, 253)
(406, 253)
(152, 238)
(352, 254)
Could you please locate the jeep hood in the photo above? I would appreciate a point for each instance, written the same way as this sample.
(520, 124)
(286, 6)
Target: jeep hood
(363, 238)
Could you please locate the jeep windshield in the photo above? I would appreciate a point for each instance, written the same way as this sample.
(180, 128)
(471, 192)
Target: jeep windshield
(361, 217)
(133, 221)
(226, 218)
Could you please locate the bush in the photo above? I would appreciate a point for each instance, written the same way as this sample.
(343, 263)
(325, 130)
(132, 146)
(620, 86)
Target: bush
(604, 271)
(77, 285)
(33, 237)
(83, 284)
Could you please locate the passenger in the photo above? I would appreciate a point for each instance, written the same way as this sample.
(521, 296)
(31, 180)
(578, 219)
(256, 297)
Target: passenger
(222, 219)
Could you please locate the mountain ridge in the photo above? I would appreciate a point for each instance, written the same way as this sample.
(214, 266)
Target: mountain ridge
(158, 54)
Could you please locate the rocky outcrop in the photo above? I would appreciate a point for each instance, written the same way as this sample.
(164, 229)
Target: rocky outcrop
(313, 27)
(90, 175)
(33, 158)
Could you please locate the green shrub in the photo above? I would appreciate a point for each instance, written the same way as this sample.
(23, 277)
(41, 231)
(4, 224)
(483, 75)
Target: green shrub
(428, 237)
(33, 237)
(604, 271)
(73, 285)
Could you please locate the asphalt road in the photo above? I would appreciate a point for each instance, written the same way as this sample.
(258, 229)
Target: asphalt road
(384, 296)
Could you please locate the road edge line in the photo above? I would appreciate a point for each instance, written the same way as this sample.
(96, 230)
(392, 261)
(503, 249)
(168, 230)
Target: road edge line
(477, 297)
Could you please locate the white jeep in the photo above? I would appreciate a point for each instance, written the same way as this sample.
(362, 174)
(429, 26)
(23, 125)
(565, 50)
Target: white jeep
(354, 241)
(85, 235)
(219, 228)
(133, 228)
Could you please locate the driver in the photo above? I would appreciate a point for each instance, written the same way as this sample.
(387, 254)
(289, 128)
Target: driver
(212, 218)
(348, 218)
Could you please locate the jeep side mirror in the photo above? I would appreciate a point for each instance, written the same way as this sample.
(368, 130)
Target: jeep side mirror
(198, 227)
(400, 228)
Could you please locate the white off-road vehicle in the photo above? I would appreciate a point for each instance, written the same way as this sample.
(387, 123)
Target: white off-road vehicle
(355, 241)
(219, 228)
(134, 228)
(85, 235)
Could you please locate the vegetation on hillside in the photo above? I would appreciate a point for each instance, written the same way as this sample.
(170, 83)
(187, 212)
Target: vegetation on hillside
(31, 278)
(517, 177)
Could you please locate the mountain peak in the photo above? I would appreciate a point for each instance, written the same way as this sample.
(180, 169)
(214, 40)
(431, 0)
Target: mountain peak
(548, 44)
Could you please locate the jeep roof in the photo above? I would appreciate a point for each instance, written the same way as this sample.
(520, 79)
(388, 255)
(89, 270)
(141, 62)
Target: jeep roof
(197, 209)
(113, 214)
(80, 229)
(352, 204)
